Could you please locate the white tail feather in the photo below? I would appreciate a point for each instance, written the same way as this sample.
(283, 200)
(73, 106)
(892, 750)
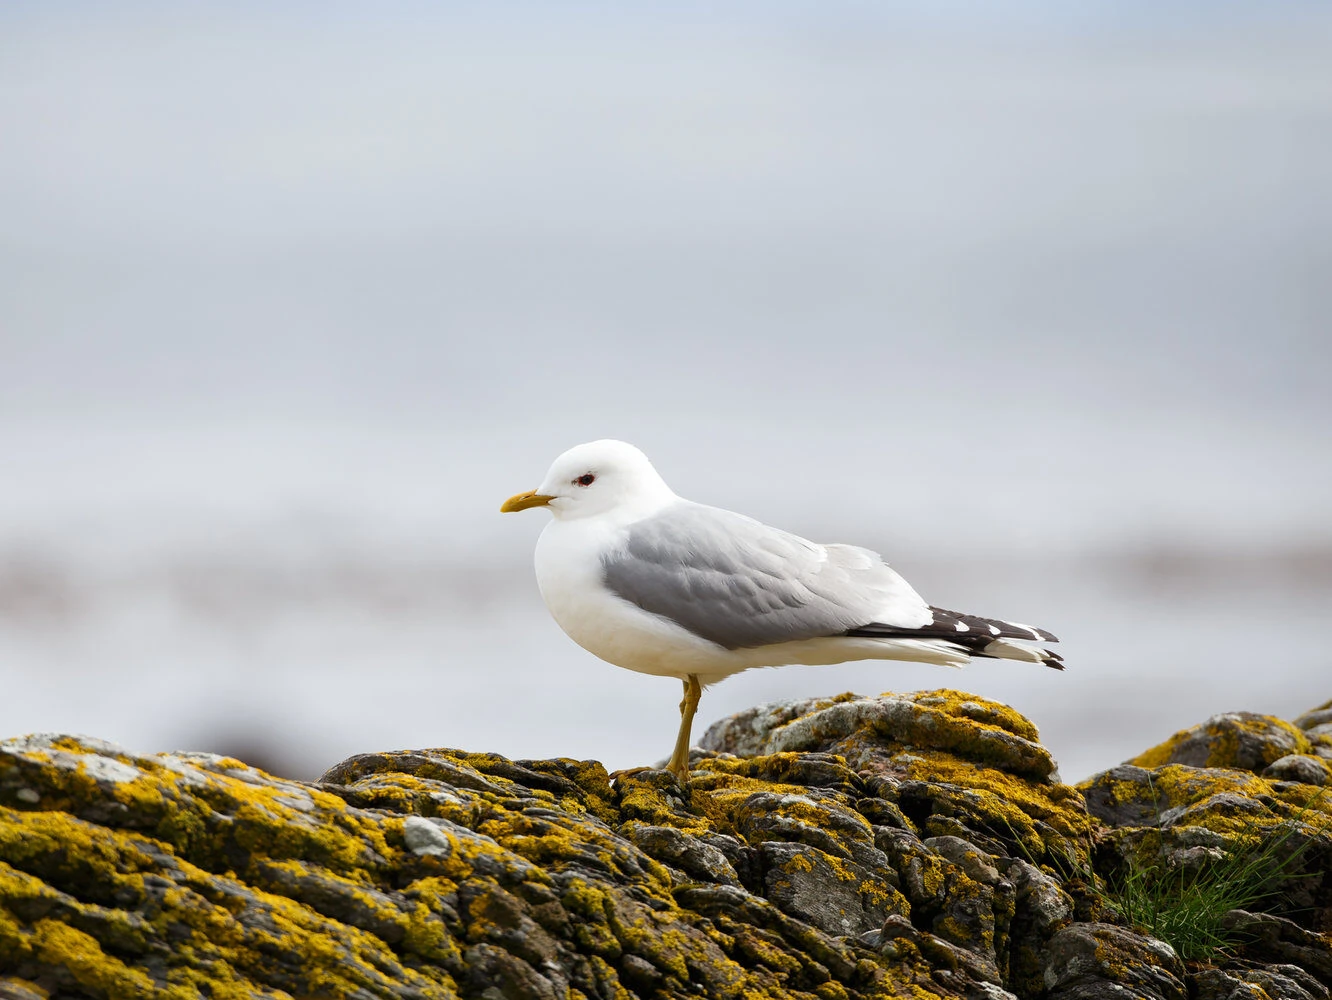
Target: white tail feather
(1013, 651)
(938, 651)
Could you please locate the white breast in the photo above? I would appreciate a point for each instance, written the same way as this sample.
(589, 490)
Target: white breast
(569, 573)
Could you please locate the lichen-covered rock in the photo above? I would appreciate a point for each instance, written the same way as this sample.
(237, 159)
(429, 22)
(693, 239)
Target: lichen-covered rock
(1230, 803)
(900, 846)
(1179, 796)
(1261, 801)
(1276, 938)
(1317, 727)
(1092, 961)
(441, 873)
(1274, 982)
(834, 895)
(1242, 740)
(1315, 717)
(1040, 908)
(692, 856)
(945, 762)
(1184, 820)
(981, 731)
(955, 893)
(12, 988)
(1306, 769)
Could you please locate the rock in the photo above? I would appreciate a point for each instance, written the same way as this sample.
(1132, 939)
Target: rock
(1315, 717)
(900, 941)
(1277, 939)
(1188, 820)
(440, 873)
(952, 765)
(425, 837)
(1242, 740)
(20, 989)
(1275, 982)
(964, 902)
(1176, 795)
(1304, 768)
(1123, 796)
(1091, 961)
(1129, 795)
(844, 848)
(836, 896)
(693, 856)
(976, 730)
(1040, 908)
(973, 861)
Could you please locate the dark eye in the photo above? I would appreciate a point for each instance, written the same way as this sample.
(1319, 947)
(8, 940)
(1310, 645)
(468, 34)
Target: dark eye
(586, 479)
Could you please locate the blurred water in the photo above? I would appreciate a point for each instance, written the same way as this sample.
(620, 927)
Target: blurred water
(299, 659)
(1035, 301)
(357, 623)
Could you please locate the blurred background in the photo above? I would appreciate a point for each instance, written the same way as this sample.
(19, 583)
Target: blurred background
(1034, 298)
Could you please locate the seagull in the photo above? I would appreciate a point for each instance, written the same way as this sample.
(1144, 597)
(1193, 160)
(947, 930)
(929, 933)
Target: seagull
(651, 582)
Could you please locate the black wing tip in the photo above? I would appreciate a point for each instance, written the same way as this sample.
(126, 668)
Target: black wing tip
(998, 628)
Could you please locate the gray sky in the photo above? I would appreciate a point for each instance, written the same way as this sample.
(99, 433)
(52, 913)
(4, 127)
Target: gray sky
(1005, 291)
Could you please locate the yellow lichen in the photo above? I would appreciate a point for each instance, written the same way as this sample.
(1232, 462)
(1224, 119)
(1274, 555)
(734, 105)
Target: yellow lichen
(1040, 816)
(1222, 735)
(21, 984)
(982, 711)
(841, 869)
(268, 888)
(59, 944)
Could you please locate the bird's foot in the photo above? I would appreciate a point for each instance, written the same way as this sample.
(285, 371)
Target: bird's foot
(654, 776)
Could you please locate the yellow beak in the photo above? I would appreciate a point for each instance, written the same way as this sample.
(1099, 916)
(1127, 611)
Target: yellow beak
(522, 501)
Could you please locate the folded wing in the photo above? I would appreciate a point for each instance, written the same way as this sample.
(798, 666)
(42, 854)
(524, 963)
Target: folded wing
(741, 584)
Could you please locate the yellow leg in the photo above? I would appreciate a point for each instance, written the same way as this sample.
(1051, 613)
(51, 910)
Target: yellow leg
(679, 762)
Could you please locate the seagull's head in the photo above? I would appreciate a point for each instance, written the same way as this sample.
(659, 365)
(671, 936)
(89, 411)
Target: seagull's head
(594, 478)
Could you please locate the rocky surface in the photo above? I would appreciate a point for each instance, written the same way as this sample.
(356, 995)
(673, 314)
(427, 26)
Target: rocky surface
(898, 846)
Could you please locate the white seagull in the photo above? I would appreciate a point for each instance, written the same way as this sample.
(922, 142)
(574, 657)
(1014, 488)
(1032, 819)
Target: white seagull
(652, 582)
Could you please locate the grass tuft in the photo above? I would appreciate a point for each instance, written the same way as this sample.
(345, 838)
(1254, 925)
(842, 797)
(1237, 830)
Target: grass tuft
(1185, 906)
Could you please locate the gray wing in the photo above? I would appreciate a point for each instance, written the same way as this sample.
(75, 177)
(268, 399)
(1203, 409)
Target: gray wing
(741, 584)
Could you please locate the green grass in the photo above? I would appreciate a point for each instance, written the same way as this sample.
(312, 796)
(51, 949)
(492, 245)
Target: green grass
(1186, 907)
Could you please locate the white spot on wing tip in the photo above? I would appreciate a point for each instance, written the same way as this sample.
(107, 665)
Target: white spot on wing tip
(994, 630)
(961, 627)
